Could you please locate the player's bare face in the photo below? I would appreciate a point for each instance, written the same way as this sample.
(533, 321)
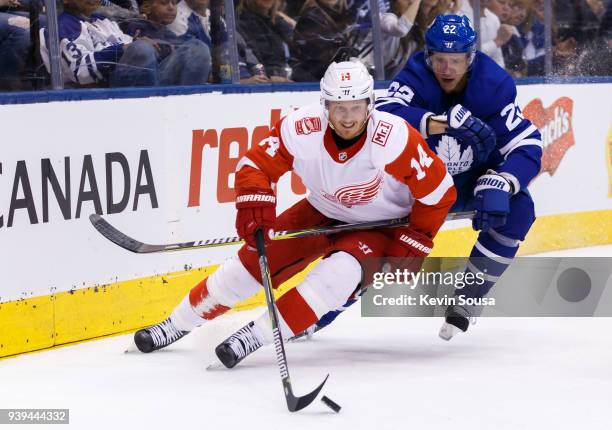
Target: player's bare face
(450, 70)
(348, 118)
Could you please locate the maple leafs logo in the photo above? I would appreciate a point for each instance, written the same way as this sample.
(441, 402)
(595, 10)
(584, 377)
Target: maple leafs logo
(456, 161)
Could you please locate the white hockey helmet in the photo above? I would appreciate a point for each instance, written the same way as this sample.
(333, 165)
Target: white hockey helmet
(347, 80)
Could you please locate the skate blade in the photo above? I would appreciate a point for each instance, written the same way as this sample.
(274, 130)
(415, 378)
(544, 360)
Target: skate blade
(131, 348)
(448, 331)
(215, 365)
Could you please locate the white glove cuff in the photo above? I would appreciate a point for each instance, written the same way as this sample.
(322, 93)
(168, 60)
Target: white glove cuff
(493, 180)
(423, 125)
(516, 185)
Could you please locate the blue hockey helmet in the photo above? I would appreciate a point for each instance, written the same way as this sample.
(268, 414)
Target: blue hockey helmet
(450, 33)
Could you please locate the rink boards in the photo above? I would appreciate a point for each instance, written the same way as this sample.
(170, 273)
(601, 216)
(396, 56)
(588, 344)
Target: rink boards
(161, 169)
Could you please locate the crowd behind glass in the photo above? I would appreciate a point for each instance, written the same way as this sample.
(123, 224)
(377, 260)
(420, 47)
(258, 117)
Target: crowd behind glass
(127, 43)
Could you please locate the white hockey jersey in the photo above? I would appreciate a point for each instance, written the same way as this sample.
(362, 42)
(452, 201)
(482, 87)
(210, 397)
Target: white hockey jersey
(389, 173)
(89, 47)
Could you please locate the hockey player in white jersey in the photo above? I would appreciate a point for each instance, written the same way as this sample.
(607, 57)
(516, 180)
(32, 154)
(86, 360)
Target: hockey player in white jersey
(359, 165)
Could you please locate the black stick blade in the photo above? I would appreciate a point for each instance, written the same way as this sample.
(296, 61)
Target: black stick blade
(297, 403)
(114, 235)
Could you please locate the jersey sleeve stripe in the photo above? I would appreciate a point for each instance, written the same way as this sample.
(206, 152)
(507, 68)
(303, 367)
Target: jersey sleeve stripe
(536, 142)
(436, 195)
(246, 161)
(508, 146)
(388, 100)
(269, 156)
(492, 255)
(284, 134)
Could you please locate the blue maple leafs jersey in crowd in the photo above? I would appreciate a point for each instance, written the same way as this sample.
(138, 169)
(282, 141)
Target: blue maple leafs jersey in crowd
(89, 47)
(490, 95)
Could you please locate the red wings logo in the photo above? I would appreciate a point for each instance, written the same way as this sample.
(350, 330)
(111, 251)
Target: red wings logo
(357, 194)
(308, 125)
(555, 125)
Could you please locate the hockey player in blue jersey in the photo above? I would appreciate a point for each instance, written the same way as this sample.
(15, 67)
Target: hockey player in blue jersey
(464, 104)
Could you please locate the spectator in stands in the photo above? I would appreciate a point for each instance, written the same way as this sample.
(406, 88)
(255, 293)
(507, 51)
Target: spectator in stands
(9, 6)
(293, 7)
(193, 19)
(501, 8)
(118, 10)
(251, 69)
(282, 12)
(533, 35)
(395, 26)
(450, 6)
(494, 34)
(268, 34)
(465, 8)
(23, 8)
(495, 31)
(578, 19)
(576, 29)
(596, 58)
(564, 48)
(94, 51)
(321, 35)
(90, 45)
(513, 49)
(428, 11)
(182, 60)
(14, 45)
(360, 45)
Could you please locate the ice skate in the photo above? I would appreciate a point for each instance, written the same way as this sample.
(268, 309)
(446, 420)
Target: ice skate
(158, 336)
(236, 347)
(457, 320)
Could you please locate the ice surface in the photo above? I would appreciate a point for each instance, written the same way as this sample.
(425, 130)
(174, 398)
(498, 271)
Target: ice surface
(386, 373)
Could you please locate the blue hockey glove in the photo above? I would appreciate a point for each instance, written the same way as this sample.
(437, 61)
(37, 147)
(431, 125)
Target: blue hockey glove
(492, 201)
(471, 130)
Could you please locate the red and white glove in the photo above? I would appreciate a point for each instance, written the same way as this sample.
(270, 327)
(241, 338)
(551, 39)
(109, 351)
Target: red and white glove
(256, 209)
(409, 248)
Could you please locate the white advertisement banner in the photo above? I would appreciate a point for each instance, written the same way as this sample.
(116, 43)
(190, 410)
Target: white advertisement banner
(161, 169)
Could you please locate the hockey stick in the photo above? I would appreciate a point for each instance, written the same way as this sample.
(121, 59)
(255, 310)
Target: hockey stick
(293, 403)
(133, 245)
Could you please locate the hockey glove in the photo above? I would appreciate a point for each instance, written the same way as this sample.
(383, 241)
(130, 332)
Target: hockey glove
(492, 201)
(256, 209)
(471, 130)
(408, 249)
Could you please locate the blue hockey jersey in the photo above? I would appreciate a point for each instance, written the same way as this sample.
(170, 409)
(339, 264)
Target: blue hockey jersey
(490, 95)
(89, 47)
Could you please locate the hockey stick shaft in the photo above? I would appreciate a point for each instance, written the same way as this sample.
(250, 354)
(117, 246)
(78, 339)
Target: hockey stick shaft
(133, 245)
(293, 403)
